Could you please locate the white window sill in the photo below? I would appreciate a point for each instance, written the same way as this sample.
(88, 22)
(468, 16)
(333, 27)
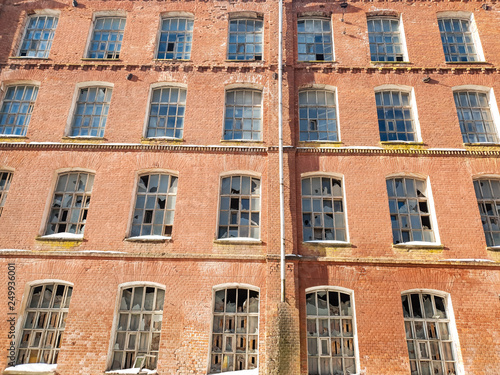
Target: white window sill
(238, 240)
(493, 248)
(61, 237)
(148, 239)
(132, 371)
(418, 245)
(329, 243)
(12, 136)
(413, 143)
(161, 139)
(31, 368)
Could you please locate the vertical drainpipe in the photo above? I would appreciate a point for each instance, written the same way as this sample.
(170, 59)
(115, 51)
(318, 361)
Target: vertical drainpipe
(280, 125)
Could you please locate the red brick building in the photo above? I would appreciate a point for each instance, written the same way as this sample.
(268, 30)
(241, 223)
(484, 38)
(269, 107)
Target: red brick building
(139, 187)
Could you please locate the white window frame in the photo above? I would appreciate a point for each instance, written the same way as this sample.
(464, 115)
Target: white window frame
(350, 292)
(38, 13)
(4, 86)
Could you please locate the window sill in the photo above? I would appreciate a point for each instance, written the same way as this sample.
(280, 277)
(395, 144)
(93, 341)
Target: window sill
(328, 243)
(70, 237)
(245, 61)
(28, 58)
(493, 248)
(316, 61)
(171, 60)
(401, 145)
(320, 143)
(83, 139)
(97, 59)
(148, 239)
(419, 245)
(390, 62)
(31, 368)
(467, 62)
(12, 138)
(238, 241)
(237, 141)
(486, 144)
(130, 371)
(160, 139)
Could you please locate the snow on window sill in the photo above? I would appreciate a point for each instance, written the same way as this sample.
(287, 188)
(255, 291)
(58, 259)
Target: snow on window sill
(493, 248)
(146, 139)
(329, 243)
(13, 136)
(148, 239)
(238, 240)
(31, 368)
(61, 237)
(409, 143)
(132, 371)
(418, 245)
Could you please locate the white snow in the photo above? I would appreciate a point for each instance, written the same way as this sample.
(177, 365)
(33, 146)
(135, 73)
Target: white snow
(148, 238)
(64, 236)
(31, 367)
(132, 371)
(9, 250)
(419, 243)
(467, 260)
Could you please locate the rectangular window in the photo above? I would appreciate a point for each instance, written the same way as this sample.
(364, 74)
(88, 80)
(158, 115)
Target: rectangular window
(38, 36)
(385, 39)
(239, 215)
(245, 40)
(235, 330)
(107, 37)
(314, 40)
(92, 107)
(175, 39)
(395, 116)
(44, 323)
(318, 116)
(457, 39)
(166, 113)
(243, 115)
(17, 107)
(5, 179)
(488, 201)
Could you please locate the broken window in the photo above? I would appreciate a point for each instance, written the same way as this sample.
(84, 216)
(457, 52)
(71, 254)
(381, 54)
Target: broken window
(154, 205)
(138, 327)
(395, 117)
(243, 116)
(427, 325)
(457, 38)
(488, 201)
(16, 109)
(239, 207)
(44, 323)
(245, 39)
(330, 333)
(474, 116)
(5, 179)
(166, 114)
(314, 40)
(38, 36)
(323, 216)
(317, 116)
(175, 38)
(235, 330)
(384, 36)
(68, 213)
(107, 38)
(91, 112)
(409, 209)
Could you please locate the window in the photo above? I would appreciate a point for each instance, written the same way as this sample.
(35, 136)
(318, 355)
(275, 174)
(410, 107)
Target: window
(175, 38)
(239, 207)
(395, 117)
(154, 205)
(245, 39)
(458, 39)
(166, 113)
(323, 217)
(5, 179)
(385, 39)
(474, 116)
(243, 115)
(428, 334)
(317, 116)
(68, 213)
(16, 109)
(330, 333)
(235, 330)
(314, 40)
(107, 38)
(138, 328)
(91, 112)
(488, 201)
(409, 209)
(38, 36)
(44, 323)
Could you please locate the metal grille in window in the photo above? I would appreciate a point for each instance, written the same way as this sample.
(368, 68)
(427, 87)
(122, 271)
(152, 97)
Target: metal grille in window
(139, 326)
(44, 324)
(155, 205)
(239, 207)
(330, 333)
(69, 208)
(458, 44)
(395, 120)
(38, 36)
(107, 38)
(427, 325)
(91, 112)
(409, 209)
(16, 109)
(385, 39)
(318, 116)
(314, 40)
(175, 38)
(474, 117)
(5, 179)
(488, 201)
(235, 330)
(245, 40)
(166, 116)
(243, 115)
(323, 209)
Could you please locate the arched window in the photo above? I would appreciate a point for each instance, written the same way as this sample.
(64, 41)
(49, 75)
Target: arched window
(5, 179)
(243, 115)
(396, 117)
(107, 37)
(38, 36)
(385, 38)
(318, 116)
(91, 112)
(245, 39)
(166, 113)
(175, 38)
(459, 37)
(314, 36)
(17, 106)
(488, 201)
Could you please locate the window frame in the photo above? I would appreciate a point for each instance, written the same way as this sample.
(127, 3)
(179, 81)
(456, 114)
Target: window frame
(488, 178)
(337, 289)
(95, 17)
(4, 89)
(402, 36)
(4, 190)
(42, 13)
(245, 16)
(244, 88)
(173, 15)
(315, 18)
